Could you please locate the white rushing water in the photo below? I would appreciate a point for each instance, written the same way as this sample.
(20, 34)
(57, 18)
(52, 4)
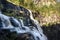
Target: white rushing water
(17, 25)
(43, 37)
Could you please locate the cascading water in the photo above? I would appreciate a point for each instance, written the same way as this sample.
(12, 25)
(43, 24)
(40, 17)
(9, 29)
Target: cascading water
(43, 37)
(17, 25)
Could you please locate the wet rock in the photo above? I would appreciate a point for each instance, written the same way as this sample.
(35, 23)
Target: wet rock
(1, 25)
(13, 22)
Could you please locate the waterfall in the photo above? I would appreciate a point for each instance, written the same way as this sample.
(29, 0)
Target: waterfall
(18, 26)
(37, 26)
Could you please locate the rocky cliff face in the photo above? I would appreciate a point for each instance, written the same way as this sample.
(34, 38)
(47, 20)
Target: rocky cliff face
(26, 26)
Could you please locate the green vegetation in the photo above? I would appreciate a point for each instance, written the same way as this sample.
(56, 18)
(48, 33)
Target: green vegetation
(16, 2)
(1, 6)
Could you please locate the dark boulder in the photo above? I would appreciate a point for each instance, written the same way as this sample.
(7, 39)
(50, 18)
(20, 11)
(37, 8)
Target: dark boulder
(1, 25)
(52, 31)
(13, 22)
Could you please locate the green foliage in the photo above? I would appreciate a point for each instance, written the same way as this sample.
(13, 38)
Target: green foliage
(21, 2)
(1, 6)
(30, 5)
(58, 7)
(16, 2)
